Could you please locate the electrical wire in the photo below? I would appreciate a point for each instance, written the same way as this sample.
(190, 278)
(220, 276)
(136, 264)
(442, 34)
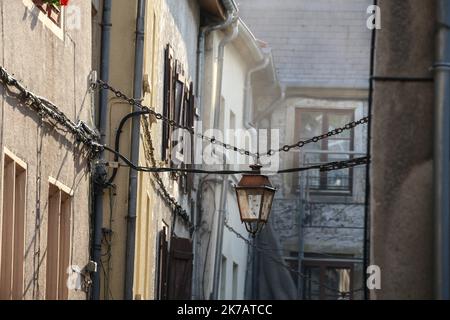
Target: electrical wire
(49, 112)
(282, 264)
(83, 133)
(331, 166)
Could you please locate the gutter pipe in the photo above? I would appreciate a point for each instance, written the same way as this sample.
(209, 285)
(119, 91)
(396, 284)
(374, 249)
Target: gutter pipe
(232, 16)
(248, 112)
(204, 31)
(102, 124)
(135, 142)
(442, 152)
(223, 195)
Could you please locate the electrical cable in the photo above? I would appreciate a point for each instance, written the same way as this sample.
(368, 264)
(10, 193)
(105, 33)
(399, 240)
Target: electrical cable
(282, 264)
(49, 111)
(332, 166)
(83, 133)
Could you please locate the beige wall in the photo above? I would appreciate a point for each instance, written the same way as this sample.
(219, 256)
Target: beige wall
(161, 28)
(53, 64)
(115, 208)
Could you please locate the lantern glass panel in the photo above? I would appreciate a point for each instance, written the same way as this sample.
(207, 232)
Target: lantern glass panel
(250, 203)
(267, 204)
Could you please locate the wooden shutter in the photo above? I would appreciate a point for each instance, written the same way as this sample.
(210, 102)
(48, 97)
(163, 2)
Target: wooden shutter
(180, 269)
(162, 265)
(168, 101)
(190, 112)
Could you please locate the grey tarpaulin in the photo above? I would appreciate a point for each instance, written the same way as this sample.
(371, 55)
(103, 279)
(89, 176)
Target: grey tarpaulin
(267, 279)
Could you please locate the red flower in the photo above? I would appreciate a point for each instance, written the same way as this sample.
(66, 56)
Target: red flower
(64, 2)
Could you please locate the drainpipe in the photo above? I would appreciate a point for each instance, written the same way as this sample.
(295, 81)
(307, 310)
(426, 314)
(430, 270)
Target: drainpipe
(223, 195)
(232, 15)
(100, 169)
(248, 112)
(442, 152)
(204, 31)
(135, 133)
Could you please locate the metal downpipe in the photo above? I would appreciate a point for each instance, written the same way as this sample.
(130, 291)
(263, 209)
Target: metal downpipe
(232, 16)
(103, 117)
(442, 152)
(135, 141)
(223, 195)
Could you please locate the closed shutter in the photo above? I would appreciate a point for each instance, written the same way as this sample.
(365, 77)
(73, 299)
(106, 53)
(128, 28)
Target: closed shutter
(190, 123)
(168, 102)
(180, 269)
(162, 265)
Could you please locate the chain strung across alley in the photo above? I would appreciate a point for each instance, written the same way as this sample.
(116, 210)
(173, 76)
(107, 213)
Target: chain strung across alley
(213, 140)
(89, 137)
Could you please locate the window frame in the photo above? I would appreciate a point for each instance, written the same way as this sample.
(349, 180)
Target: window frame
(17, 281)
(49, 9)
(323, 265)
(323, 188)
(36, 12)
(57, 282)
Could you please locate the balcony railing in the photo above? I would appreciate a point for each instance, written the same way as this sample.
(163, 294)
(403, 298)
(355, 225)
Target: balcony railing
(340, 182)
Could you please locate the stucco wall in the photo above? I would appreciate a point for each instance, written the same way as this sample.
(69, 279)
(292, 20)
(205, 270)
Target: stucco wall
(167, 22)
(57, 69)
(234, 249)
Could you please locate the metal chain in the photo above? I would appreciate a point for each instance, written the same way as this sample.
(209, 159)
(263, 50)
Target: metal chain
(49, 111)
(339, 165)
(281, 263)
(161, 188)
(213, 140)
(173, 123)
(300, 144)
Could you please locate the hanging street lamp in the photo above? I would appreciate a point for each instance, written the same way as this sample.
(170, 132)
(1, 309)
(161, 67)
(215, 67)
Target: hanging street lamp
(255, 195)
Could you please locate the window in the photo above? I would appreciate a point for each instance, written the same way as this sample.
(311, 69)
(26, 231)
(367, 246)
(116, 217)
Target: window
(13, 228)
(58, 240)
(179, 107)
(311, 123)
(52, 11)
(163, 252)
(223, 278)
(327, 280)
(235, 281)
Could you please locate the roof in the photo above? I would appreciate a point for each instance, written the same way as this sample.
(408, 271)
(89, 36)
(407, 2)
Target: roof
(214, 8)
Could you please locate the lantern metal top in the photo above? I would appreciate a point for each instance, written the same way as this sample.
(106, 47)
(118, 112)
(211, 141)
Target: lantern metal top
(255, 180)
(255, 184)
